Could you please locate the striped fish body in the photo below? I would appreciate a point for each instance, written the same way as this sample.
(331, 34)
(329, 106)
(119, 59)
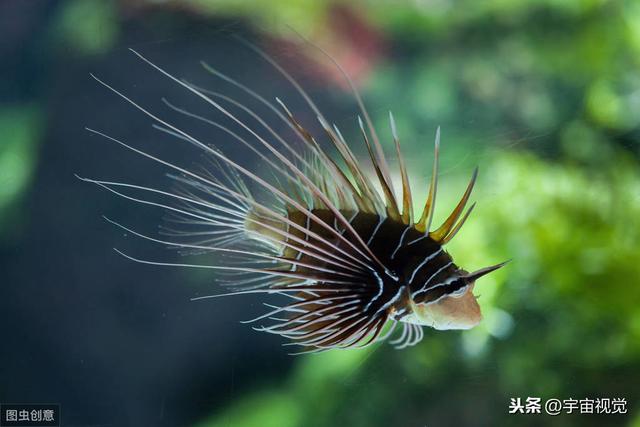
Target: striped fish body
(417, 287)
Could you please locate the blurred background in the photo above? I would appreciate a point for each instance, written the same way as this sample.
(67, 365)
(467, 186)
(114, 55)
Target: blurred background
(542, 95)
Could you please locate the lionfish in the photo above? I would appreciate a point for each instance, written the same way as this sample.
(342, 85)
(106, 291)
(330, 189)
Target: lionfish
(348, 261)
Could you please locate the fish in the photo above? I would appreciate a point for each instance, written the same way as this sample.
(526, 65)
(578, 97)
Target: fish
(347, 260)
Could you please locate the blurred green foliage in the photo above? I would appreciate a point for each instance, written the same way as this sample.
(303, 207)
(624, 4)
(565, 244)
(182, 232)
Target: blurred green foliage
(20, 128)
(548, 58)
(87, 27)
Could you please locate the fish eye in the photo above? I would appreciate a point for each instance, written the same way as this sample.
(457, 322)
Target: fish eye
(458, 293)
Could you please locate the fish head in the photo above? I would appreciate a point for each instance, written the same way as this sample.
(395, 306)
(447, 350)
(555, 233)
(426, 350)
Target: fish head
(458, 309)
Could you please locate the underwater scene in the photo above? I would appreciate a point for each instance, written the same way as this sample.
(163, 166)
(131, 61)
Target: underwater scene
(221, 213)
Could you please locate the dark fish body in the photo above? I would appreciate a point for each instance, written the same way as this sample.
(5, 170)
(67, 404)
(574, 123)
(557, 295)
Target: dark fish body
(401, 248)
(347, 255)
